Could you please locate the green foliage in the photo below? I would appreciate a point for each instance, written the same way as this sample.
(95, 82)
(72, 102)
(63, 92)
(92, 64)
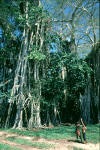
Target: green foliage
(78, 72)
(53, 86)
(37, 12)
(53, 90)
(34, 14)
(75, 82)
(36, 54)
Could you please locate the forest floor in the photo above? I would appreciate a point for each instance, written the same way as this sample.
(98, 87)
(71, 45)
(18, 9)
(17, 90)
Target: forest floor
(63, 144)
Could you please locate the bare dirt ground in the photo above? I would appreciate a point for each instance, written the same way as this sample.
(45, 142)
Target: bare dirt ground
(58, 144)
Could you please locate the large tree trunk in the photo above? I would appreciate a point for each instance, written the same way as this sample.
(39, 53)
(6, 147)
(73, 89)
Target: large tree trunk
(85, 104)
(35, 120)
(91, 98)
(17, 93)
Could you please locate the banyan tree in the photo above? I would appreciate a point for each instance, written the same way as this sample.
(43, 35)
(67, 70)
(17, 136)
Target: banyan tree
(24, 101)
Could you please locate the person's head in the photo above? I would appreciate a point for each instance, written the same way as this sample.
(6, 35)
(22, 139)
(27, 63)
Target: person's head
(77, 123)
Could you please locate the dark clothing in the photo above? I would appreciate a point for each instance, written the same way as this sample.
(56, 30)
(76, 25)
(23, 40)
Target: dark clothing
(84, 136)
(79, 137)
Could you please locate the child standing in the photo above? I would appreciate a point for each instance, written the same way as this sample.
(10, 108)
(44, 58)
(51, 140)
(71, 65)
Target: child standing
(78, 133)
(84, 131)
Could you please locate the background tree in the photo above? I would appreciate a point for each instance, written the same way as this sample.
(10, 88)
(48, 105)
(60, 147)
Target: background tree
(76, 21)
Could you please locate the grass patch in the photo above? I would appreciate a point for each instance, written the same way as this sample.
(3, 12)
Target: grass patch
(57, 133)
(61, 132)
(7, 147)
(42, 145)
(93, 134)
(21, 141)
(75, 148)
